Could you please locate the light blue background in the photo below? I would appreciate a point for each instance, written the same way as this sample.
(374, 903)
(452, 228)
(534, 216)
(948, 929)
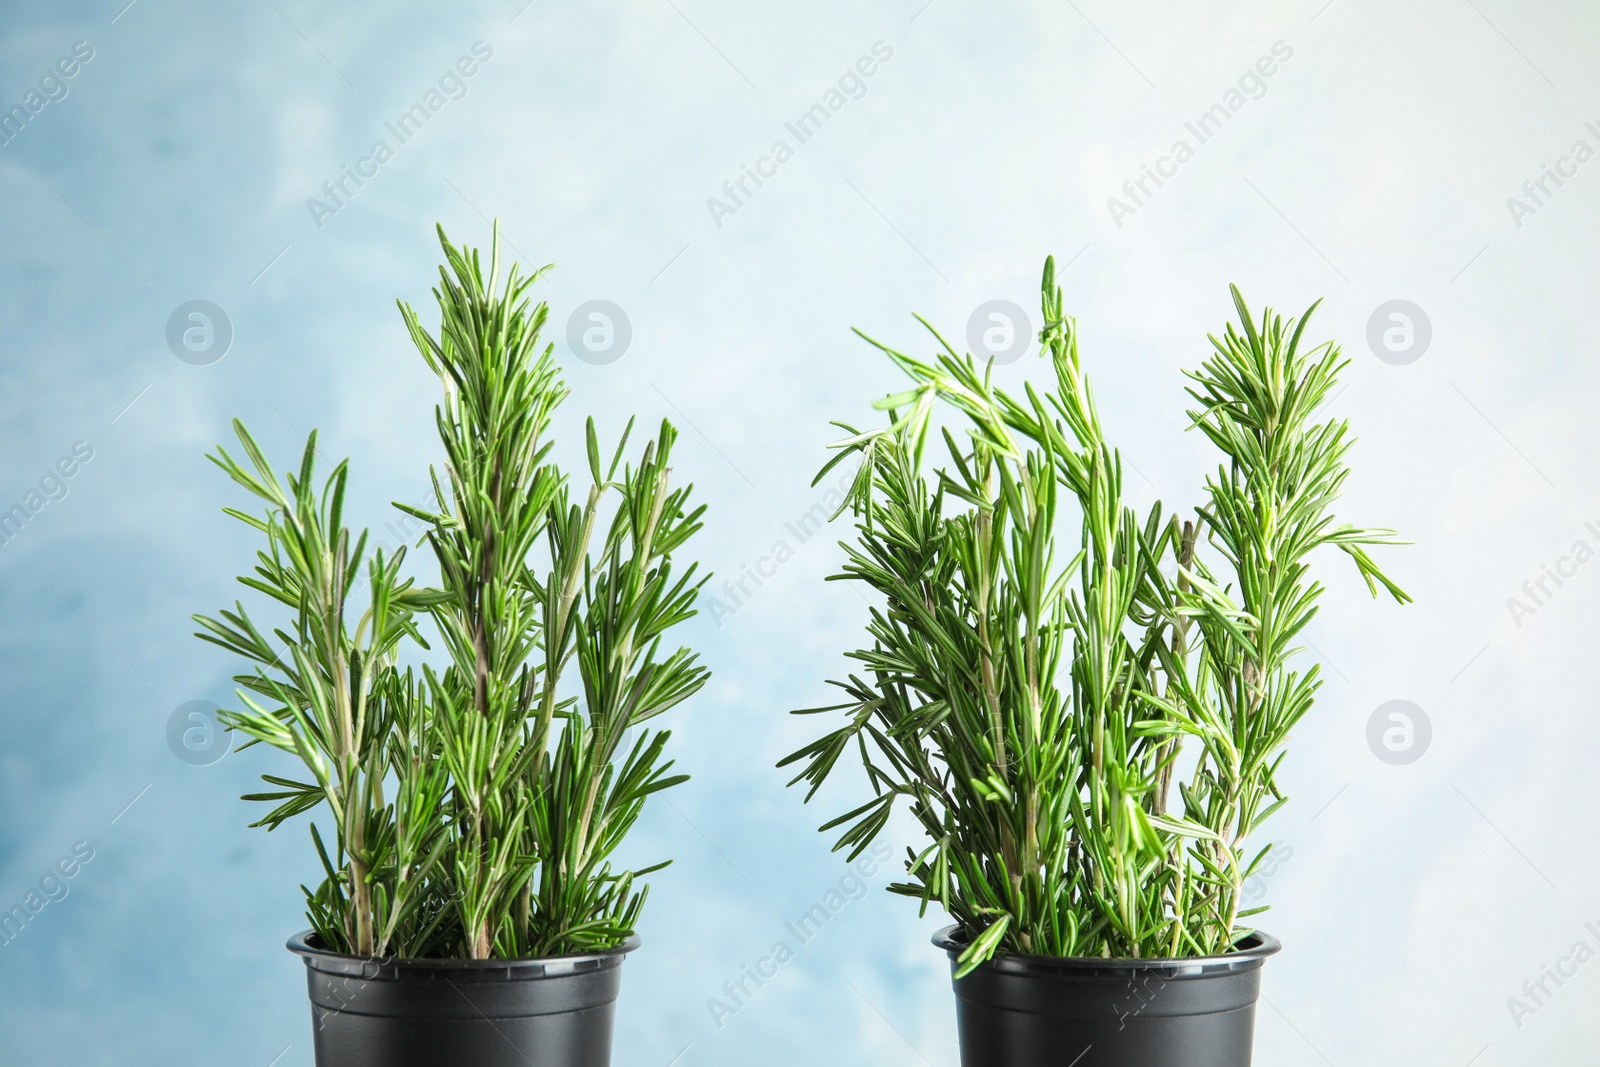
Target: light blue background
(1377, 165)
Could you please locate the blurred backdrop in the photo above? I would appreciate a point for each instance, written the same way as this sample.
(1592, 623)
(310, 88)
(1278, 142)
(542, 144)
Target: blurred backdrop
(208, 211)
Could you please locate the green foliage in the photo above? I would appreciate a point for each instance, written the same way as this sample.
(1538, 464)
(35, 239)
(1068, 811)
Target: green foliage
(1028, 699)
(475, 804)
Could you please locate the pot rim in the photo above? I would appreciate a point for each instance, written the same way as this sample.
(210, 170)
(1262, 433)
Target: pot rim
(1256, 948)
(390, 968)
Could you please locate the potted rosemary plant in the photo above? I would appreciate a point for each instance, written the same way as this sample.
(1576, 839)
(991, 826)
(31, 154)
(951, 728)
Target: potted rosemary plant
(1084, 708)
(468, 910)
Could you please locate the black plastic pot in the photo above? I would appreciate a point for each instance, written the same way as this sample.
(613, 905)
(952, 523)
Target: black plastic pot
(554, 1012)
(1030, 1011)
